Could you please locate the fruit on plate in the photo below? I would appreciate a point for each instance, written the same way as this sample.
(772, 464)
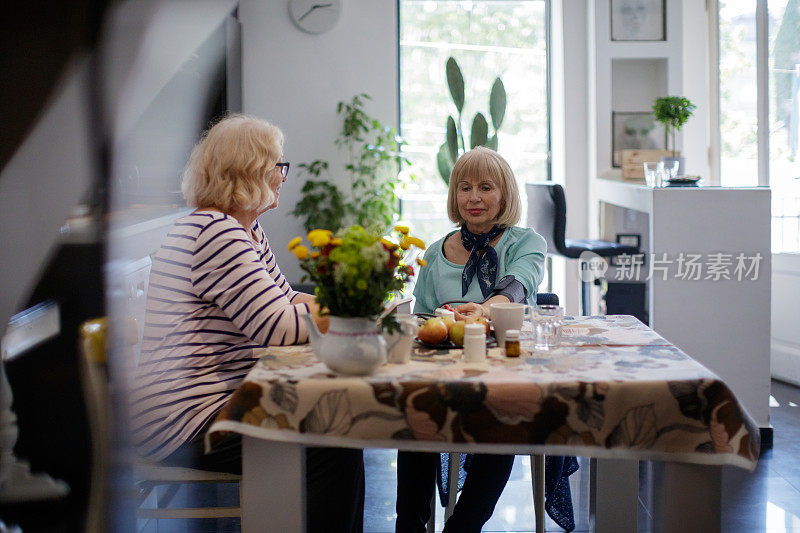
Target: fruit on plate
(479, 320)
(456, 332)
(433, 331)
(448, 321)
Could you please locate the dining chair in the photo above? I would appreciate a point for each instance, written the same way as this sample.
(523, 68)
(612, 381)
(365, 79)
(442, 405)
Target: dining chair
(547, 214)
(149, 476)
(537, 463)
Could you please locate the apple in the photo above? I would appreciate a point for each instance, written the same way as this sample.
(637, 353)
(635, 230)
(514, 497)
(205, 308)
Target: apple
(433, 331)
(448, 322)
(480, 320)
(456, 332)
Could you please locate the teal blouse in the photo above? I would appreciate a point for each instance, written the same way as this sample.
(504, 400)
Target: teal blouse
(520, 253)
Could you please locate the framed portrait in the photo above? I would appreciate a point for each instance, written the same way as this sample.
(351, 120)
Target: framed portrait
(638, 20)
(635, 131)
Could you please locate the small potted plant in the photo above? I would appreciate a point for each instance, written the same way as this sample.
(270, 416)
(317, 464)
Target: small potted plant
(673, 112)
(355, 271)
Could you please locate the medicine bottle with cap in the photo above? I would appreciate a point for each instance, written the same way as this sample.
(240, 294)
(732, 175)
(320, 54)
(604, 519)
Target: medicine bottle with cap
(512, 343)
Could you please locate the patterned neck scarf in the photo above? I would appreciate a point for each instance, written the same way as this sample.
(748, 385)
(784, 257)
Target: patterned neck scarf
(482, 259)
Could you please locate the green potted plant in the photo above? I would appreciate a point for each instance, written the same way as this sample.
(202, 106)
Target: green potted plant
(673, 112)
(374, 161)
(454, 145)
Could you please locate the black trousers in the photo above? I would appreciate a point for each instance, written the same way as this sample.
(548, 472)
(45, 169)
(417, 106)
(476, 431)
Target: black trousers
(416, 481)
(334, 480)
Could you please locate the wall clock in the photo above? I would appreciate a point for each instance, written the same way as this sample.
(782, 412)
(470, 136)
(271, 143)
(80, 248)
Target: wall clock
(315, 16)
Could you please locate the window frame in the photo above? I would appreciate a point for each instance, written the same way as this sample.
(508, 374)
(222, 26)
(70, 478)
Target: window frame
(548, 30)
(762, 92)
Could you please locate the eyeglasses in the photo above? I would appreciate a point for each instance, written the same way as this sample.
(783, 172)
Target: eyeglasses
(284, 167)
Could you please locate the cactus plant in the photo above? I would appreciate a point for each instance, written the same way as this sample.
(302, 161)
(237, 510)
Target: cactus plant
(454, 144)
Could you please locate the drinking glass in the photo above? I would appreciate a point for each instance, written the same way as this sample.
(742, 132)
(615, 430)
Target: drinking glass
(671, 168)
(653, 173)
(547, 325)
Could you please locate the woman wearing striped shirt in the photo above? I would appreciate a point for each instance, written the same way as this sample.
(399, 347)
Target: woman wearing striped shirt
(215, 295)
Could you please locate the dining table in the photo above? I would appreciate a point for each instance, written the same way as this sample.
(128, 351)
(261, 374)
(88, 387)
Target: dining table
(614, 391)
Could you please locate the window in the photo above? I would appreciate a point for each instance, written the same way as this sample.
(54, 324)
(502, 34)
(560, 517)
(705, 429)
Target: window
(784, 123)
(739, 37)
(488, 39)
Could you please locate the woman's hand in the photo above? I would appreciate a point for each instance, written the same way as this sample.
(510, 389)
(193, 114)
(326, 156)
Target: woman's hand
(470, 310)
(322, 321)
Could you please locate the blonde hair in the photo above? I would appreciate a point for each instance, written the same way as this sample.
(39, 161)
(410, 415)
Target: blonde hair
(484, 162)
(229, 167)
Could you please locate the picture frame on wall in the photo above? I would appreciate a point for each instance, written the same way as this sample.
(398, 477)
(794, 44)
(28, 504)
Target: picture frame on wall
(635, 131)
(638, 20)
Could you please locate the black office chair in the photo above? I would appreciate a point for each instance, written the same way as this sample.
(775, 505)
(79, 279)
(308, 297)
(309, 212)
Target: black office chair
(547, 214)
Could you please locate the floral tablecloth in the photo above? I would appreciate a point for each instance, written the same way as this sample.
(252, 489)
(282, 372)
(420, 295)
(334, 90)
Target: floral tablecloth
(614, 389)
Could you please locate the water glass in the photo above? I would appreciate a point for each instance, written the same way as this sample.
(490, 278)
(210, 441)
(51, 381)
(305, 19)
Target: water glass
(547, 325)
(671, 169)
(653, 173)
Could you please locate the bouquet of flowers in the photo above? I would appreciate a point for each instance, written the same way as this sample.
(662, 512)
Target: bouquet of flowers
(355, 271)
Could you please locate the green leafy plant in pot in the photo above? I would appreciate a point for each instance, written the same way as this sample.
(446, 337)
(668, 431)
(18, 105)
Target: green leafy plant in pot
(374, 161)
(454, 145)
(673, 112)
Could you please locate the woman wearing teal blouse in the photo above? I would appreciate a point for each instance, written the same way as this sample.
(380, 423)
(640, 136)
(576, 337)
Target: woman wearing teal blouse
(487, 260)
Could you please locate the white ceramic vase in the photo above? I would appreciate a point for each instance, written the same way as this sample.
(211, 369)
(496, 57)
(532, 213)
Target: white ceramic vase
(352, 346)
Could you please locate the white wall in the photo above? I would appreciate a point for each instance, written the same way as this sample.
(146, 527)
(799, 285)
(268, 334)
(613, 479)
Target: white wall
(295, 79)
(571, 133)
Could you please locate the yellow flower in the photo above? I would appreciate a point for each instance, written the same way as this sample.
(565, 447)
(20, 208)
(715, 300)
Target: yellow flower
(314, 255)
(421, 262)
(405, 244)
(315, 231)
(301, 252)
(336, 242)
(294, 242)
(419, 243)
(402, 229)
(389, 244)
(319, 239)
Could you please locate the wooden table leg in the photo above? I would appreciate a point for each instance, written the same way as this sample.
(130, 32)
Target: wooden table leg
(613, 496)
(273, 496)
(687, 497)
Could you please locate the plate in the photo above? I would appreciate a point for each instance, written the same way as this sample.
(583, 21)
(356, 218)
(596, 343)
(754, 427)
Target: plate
(684, 179)
(449, 345)
(446, 345)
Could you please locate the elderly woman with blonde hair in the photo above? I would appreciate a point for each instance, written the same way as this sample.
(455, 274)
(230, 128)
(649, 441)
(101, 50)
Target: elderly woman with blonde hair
(486, 260)
(216, 295)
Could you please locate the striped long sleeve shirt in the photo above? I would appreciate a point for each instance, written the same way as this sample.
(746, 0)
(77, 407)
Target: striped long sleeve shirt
(215, 294)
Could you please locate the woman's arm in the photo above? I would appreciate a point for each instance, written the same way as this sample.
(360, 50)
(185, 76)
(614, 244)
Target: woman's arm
(525, 261)
(311, 300)
(227, 271)
(471, 309)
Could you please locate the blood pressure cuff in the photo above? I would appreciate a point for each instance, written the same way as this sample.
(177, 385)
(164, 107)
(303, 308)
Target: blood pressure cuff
(512, 289)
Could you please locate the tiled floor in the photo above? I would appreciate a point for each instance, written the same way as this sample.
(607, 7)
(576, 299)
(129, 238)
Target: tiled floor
(766, 500)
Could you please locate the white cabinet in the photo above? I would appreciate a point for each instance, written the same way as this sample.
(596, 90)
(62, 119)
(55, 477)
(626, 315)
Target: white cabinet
(718, 315)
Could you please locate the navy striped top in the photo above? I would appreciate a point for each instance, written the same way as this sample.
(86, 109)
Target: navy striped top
(215, 294)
